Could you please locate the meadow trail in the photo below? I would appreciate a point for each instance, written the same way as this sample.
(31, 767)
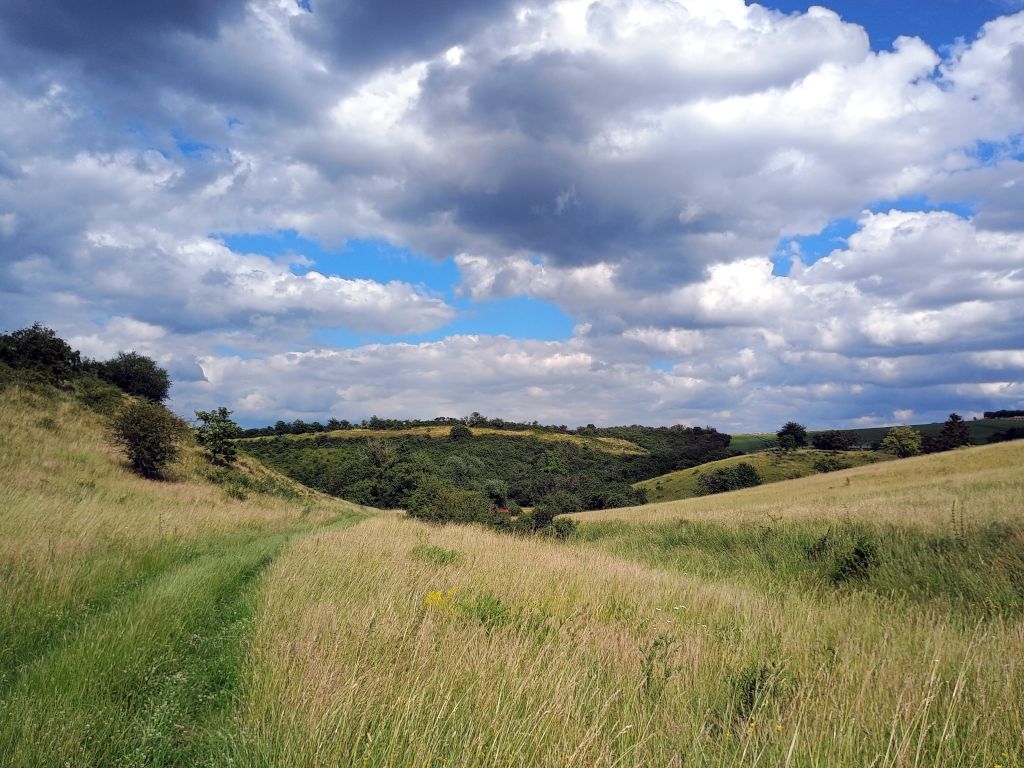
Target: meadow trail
(149, 677)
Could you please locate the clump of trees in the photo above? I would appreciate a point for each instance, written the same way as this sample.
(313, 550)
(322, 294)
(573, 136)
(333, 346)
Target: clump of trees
(41, 354)
(437, 501)
(835, 440)
(38, 355)
(137, 375)
(741, 475)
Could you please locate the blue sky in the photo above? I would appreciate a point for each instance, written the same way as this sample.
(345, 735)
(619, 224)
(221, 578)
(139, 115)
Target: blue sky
(643, 211)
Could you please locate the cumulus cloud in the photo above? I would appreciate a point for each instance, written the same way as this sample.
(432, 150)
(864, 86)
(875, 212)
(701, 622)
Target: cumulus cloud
(634, 162)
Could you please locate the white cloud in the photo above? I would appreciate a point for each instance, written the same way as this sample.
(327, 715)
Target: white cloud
(633, 161)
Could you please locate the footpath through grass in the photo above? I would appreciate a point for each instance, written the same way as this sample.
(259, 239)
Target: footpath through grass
(125, 604)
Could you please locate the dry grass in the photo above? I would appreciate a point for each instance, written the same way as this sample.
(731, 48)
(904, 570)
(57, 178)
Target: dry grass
(986, 482)
(524, 652)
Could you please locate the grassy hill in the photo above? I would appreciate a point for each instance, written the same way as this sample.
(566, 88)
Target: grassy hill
(773, 467)
(611, 445)
(854, 618)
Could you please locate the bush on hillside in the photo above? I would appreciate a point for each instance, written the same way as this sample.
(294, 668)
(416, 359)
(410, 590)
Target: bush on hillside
(1013, 433)
(830, 464)
(742, 475)
(137, 375)
(149, 434)
(460, 432)
(98, 395)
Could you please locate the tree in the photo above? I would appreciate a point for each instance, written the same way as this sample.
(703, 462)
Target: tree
(41, 350)
(797, 431)
(215, 432)
(149, 434)
(955, 432)
(137, 375)
(902, 442)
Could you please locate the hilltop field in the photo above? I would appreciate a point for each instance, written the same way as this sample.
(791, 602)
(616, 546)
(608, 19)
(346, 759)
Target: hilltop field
(871, 616)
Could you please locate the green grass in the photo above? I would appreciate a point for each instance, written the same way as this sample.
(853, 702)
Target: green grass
(966, 568)
(773, 467)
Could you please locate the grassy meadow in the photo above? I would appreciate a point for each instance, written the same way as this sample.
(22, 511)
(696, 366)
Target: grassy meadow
(869, 617)
(773, 466)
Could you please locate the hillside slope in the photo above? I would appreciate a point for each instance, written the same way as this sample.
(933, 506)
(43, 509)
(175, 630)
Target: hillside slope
(773, 466)
(612, 445)
(920, 490)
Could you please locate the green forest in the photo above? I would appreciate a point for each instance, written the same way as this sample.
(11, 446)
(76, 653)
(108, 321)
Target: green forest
(507, 471)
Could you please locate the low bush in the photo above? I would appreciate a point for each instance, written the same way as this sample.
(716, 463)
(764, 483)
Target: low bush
(742, 475)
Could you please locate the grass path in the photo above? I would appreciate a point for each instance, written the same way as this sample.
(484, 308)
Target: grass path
(147, 676)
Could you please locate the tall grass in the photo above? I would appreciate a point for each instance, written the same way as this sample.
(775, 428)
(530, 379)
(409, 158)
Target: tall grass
(522, 652)
(234, 618)
(123, 601)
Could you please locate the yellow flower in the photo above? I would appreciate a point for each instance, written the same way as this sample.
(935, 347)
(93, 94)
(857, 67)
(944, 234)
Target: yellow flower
(437, 598)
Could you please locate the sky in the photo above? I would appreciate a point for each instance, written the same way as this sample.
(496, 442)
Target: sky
(580, 211)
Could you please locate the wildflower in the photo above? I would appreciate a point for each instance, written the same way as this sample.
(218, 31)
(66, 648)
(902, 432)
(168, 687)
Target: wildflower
(437, 598)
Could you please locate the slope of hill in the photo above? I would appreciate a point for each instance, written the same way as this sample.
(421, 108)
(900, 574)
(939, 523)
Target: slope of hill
(773, 466)
(917, 491)
(611, 445)
(176, 623)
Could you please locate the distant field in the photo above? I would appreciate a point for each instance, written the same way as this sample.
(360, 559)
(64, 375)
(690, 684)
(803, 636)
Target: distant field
(754, 441)
(773, 466)
(612, 445)
(981, 431)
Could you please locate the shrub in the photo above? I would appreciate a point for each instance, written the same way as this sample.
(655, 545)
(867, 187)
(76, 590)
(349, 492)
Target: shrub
(830, 464)
(460, 432)
(742, 475)
(149, 434)
(98, 395)
(137, 375)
